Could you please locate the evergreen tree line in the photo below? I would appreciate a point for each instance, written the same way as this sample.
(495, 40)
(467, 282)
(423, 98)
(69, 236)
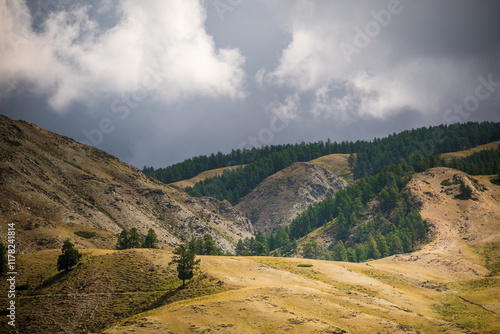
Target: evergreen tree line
(204, 246)
(425, 141)
(193, 166)
(132, 239)
(485, 162)
(371, 156)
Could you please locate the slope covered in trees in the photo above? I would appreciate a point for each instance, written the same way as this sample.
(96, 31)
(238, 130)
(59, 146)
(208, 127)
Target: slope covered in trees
(372, 156)
(392, 226)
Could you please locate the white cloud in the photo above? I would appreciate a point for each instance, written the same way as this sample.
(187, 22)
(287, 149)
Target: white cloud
(287, 111)
(72, 59)
(378, 81)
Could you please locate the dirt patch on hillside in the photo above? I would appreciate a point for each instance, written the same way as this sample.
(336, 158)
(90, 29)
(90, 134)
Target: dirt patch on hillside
(459, 228)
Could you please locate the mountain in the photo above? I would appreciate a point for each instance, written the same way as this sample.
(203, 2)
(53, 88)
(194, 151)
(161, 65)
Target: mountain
(450, 284)
(52, 186)
(282, 196)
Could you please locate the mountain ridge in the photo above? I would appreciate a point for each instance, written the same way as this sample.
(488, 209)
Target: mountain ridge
(50, 182)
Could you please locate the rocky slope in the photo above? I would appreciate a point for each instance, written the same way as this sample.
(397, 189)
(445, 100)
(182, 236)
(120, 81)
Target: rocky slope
(52, 186)
(466, 233)
(285, 194)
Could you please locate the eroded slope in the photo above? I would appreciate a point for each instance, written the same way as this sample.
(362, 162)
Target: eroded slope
(51, 186)
(285, 194)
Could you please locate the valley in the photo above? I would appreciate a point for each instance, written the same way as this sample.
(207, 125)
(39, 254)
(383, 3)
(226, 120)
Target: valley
(55, 189)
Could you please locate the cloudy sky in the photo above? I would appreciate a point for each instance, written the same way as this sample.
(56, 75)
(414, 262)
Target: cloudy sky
(157, 81)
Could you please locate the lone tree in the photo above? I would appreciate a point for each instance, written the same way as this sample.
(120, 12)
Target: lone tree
(69, 258)
(3, 259)
(186, 263)
(465, 191)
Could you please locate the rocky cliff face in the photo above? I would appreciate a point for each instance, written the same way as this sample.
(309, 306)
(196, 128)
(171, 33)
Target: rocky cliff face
(52, 186)
(282, 196)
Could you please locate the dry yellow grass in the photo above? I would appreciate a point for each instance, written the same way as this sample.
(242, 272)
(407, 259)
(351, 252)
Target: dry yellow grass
(450, 285)
(337, 164)
(447, 286)
(202, 176)
(461, 154)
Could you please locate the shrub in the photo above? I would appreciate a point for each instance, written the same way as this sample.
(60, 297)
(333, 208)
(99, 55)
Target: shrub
(73, 164)
(85, 234)
(446, 183)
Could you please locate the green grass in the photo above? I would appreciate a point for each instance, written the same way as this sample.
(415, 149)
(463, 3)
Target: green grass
(73, 164)
(303, 265)
(85, 234)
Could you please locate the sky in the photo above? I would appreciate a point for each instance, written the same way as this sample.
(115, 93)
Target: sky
(155, 82)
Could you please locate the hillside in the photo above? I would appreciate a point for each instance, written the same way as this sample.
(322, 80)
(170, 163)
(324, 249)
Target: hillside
(52, 186)
(337, 164)
(285, 194)
(465, 153)
(450, 285)
(202, 176)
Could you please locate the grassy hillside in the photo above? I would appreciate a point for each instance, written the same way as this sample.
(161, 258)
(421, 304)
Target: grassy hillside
(465, 153)
(202, 176)
(449, 285)
(337, 164)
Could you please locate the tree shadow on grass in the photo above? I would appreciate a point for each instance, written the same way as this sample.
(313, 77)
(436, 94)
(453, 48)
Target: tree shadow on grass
(59, 277)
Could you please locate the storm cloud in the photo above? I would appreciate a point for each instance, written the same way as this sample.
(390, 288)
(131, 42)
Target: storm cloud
(155, 82)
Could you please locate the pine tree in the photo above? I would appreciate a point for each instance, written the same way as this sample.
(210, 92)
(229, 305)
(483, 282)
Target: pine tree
(123, 240)
(260, 249)
(134, 238)
(69, 257)
(339, 252)
(310, 249)
(186, 263)
(382, 245)
(241, 249)
(209, 246)
(372, 250)
(394, 243)
(351, 255)
(360, 253)
(465, 191)
(151, 240)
